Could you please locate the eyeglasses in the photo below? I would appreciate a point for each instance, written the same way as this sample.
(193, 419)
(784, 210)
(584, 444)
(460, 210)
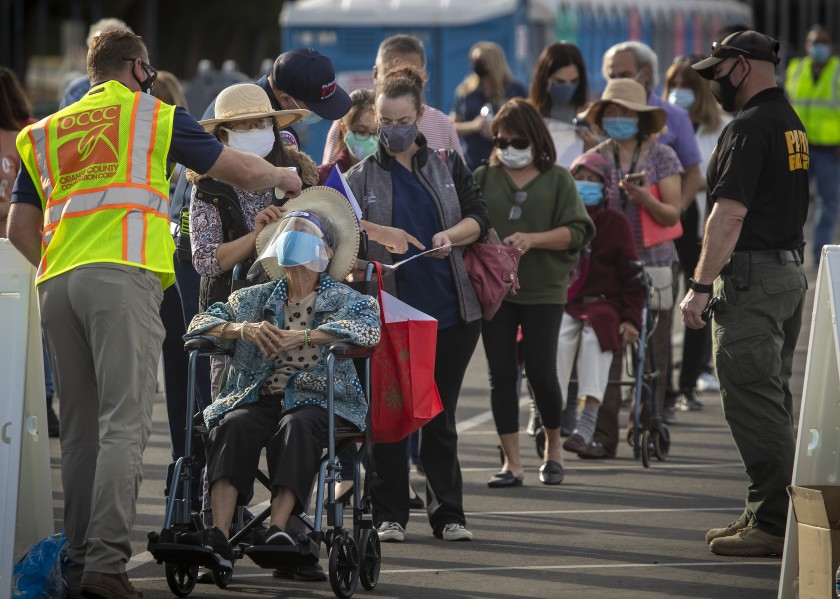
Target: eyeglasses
(255, 123)
(717, 46)
(150, 71)
(520, 143)
(516, 210)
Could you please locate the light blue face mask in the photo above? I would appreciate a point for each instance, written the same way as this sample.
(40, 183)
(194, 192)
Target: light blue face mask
(821, 53)
(298, 248)
(309, 119)
(591, 192)
(682, 97)
(621, 128)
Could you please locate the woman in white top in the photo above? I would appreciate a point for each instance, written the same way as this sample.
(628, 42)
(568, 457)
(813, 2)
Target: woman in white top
(685, 88)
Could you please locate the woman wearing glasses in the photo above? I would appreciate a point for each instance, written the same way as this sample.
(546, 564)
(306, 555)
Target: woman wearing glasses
(534, 206)
(434, 200)
(225, 222)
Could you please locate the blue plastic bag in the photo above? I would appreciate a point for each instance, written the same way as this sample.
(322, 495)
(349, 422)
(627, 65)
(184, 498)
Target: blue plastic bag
(38, 574)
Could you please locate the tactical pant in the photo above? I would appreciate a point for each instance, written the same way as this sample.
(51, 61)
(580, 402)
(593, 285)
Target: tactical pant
(754, 336)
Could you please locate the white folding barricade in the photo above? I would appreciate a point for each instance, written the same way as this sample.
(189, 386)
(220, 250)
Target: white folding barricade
(26, 511)
(817, 459)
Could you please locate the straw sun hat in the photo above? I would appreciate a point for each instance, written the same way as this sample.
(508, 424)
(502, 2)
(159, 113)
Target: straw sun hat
(248, 101)
(630, 94)
(327, 202)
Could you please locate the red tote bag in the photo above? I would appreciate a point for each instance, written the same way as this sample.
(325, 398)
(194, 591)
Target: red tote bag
(404, 395)
(652, 231)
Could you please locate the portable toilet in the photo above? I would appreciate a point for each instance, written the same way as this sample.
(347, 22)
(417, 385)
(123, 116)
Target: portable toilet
(349, 33)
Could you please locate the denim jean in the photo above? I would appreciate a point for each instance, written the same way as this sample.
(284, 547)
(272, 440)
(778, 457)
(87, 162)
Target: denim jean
(824, 167)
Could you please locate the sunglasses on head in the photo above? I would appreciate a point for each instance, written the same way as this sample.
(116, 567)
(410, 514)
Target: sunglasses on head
(718, 46)
(520, 143)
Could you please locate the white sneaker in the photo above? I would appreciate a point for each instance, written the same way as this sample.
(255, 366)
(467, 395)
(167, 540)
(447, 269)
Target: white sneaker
(456, 532)
(707, 382)
(391, 532)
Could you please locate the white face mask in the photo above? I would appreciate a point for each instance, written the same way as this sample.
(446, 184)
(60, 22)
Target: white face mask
(253, 141)
(513, 158)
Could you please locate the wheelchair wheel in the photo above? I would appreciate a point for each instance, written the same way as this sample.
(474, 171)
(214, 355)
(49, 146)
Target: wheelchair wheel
(646, 448)
(661, 442)
(181, 578)
(344, 566)
(221, 578)
(370, 558)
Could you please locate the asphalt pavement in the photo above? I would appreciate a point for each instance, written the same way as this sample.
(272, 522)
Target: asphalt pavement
(612, 529)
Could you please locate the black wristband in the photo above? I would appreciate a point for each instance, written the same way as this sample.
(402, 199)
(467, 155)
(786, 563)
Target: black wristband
(699, 287)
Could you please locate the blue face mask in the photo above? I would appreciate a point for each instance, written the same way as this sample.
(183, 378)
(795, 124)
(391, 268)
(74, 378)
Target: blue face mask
(561, 93)
(821, 53)
(309, 119)
(682, 97)
(621, 128)
(298, 248)
(591, 192)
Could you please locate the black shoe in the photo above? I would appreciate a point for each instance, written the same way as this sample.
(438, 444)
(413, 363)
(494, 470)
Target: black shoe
(215, 540)
(551, 473)
(416, 502)
(52, 420)
(688, 402)
(277, 537)
(304, 573)
(595, 451)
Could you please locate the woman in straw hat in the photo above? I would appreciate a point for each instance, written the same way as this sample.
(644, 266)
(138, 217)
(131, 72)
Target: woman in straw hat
(643, 176)
(225, 222)
(275, 394)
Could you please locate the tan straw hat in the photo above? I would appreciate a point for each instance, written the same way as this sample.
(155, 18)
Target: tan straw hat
(248, 101)
(630, 94)
(322, 202)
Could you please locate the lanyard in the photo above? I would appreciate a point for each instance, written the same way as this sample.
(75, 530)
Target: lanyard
(620, 173)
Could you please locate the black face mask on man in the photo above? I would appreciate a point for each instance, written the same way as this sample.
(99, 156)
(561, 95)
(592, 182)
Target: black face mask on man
(724, 91)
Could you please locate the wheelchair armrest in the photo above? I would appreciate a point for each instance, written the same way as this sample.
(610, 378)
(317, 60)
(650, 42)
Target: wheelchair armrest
(205, 347)
(347, 351)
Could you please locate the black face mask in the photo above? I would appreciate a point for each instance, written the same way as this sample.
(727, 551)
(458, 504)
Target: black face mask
(724, 91)
(480, 69)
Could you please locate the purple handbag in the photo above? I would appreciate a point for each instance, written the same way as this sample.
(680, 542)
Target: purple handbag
(492, 267)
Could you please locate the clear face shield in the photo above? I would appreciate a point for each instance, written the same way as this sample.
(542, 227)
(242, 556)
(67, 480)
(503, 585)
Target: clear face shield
(298, 241)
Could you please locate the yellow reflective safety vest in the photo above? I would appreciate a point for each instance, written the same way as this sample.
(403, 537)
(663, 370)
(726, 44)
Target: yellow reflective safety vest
(100, 167)
(816, 102)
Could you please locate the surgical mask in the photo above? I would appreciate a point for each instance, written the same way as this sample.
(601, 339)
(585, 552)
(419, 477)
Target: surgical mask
(621, 128)
(820, 53)
(398, 138)
(682, 97)
(361, 146)
(253, 141)
(561, 93)
(591, 192)
(513, 158)
(724, 91)
(309, 119)
(298, 248)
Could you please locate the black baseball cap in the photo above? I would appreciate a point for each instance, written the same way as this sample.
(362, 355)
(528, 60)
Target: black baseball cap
(752, 45)
(308, 75)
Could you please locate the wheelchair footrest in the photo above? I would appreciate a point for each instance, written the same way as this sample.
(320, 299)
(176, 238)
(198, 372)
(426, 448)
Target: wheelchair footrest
(177, 553)
(306, 551)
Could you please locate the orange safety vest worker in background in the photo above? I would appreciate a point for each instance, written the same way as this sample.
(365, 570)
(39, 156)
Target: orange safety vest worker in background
(103, 186)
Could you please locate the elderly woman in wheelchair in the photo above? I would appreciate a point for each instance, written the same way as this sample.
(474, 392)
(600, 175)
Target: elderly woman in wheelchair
(275, 393)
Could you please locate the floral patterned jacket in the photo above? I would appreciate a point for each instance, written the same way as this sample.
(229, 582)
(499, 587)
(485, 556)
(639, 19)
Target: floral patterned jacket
(339, 310)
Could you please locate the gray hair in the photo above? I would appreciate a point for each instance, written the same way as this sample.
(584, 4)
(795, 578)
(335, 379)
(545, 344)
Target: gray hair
(332, 237)
(104, 26)
(400, 44)
(645, 57)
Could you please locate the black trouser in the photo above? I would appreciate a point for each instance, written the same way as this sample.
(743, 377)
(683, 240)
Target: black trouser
(697, 343)
(540, 329)
(438, 444)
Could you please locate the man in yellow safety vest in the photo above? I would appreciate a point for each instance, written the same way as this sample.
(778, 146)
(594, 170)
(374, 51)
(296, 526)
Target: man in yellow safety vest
(89, 209)
(813, 85)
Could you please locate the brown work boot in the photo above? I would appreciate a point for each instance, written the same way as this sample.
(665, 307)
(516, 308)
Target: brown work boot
(748, 542)
(98, 585)
(727, 531)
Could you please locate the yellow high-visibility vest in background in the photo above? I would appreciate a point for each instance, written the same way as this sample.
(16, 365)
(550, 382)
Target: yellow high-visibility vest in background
(816, 102)
(101, 166)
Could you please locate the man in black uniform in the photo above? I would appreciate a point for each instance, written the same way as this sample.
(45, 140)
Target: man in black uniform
(752, 260)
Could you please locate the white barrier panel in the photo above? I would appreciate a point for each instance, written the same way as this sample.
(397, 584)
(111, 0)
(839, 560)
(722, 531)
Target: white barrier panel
(24, 445)
(817, 459)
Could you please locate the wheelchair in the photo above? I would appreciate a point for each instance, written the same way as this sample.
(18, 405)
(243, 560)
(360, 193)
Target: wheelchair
(647, 442)
(354, 553)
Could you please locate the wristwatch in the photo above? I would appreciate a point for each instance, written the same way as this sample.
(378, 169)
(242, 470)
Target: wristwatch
(699, 287)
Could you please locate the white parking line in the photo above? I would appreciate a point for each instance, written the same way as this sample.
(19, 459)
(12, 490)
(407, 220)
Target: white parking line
(627, 465)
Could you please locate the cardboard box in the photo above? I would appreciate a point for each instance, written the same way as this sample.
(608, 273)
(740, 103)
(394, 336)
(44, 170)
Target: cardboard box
(817, 510)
